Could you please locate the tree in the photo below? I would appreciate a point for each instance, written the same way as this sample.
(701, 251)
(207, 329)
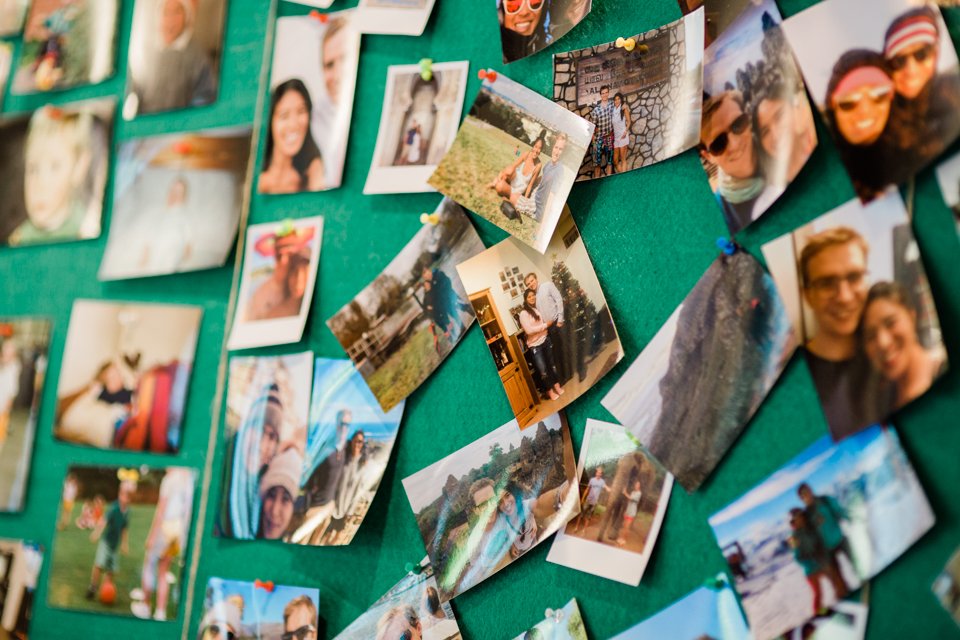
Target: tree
(350, 325)
(389, 293)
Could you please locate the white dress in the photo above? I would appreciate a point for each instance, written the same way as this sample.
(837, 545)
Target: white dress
(621, 137)
(521, 180)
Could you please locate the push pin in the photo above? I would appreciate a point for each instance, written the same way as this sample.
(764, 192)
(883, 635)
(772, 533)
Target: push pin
(554, 614)
(426, 69)
(430, 218)
(487, 74)
(182, 148)
(626, 43)
(322, 17)
(285, 228)
(54, 113)
(716, 583)
(414, 567)
(727, 246)
(266, 585)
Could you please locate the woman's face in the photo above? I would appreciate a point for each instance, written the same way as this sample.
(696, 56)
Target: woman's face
(913, 68)
(889, 334)
(617, 101)
(775, 120)
(862, 113)
(508, 504)
(277, 513)
(531, 299)
(173, 21)
(268, 443)
(291, 121)
(356, 443)
(537, 147)
(520, 17)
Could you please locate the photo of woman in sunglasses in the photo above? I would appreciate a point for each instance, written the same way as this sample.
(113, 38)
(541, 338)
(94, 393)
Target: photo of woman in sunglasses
(529, 26)
(890, 92)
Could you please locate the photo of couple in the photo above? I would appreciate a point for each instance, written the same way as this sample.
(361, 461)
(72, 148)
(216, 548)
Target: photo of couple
(554, 338)
(831, 518)
(644, 103)
(757, 130)
(886, 78)
(514, 160)
(237, 610)
(125, 375)
(529, 26)
(858, 297)
(485, 505)
(312, 82)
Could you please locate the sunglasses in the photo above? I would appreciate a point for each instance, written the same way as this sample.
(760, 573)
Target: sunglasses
(850, 101)
(300, 633)
(719, 144)
(216, 630)
(921, 55)
(511, 7)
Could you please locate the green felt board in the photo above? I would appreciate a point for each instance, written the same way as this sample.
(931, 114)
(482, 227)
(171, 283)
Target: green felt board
(651, 235)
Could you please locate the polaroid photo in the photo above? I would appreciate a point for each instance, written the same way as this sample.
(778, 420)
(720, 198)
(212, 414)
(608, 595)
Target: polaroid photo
(948, 177)
(410, 609)
(560, 624)
(697, 384)
(757, 130)
(24, 353)
(174, 57)
(177, 201)
(276, 288)
(529, 26)
(639, 101)
(403, 325)
(55, 165)
(125, 374)
(857, 295)
(20, 564)
(485, 505)
(514, 159)
(12, 14)
(709, 612)
(946, 587)
(394, 17)
(417, 126)
(67, 43)
(717, 14)
(349, 440)
(552, 337)
(265, 434)
(845, 620)
(116, 551)
(834, 516)
(258, 611)
(312, 82)
(6, 63)
(623, 494)
(886, 79)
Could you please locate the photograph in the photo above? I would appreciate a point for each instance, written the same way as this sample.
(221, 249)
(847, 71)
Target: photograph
(55, 170)
(698, 382)
(411, 609)
(312, 82)
(858, 298)
(886, 79)
(529, 26)
(948, 177)
(24, 353)
(832, 518)
(845, 620)
(66, 43)
(403, 325)
(644, 103)
(757, 130)
(259, 610)
(947, 586)
(560, 624)
(125, 374)
(12, 14)
(393, 17)
(485, 505)
(124, 552)
(349, 440)
(177, 201)
(174, 57)
(514, 159)
(6, 63)
(418, 122)
(20, 563)
(553, 337)
(265, 440)
(624, 494)
(276, 288)
(717, 14)
(709, 613)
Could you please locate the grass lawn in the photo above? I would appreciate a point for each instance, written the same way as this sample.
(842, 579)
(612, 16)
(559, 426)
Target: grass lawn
(406, 369)
(73, 555)
(478, 154)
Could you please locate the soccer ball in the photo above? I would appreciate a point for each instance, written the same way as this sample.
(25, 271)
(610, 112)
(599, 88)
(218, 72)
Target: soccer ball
(108, 593)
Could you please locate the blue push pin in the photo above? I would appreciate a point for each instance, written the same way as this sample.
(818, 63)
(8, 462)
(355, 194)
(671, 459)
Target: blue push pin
(727, 245)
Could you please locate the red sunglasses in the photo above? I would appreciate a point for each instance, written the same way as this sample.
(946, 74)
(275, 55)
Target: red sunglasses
(514, 6)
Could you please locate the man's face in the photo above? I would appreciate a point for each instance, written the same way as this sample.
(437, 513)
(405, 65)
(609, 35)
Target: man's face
(558, 148)
(531, 282)
(334, 53)
(836, 288)
(346, 418)
(806, 495)
(300, 621)
(737, 158)
(604, 95)
(912, 68)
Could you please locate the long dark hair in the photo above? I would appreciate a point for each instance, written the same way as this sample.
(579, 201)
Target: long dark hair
(309, 151)
(363, 451)
(516, 491)
(529, 308)
(516, 46)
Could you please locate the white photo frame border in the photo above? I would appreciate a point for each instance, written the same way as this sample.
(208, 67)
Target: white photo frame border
(394, 21)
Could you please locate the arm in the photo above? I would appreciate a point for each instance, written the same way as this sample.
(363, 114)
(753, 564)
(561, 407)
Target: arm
(98, 529)
(124, 543)
(315, 176)
(533, 180)
(157, 518)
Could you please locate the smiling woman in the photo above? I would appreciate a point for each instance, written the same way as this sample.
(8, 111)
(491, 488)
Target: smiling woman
(527, 26)
(291, 159)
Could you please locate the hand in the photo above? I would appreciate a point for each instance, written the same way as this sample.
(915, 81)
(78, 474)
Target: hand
(559, 323)
(125, 548)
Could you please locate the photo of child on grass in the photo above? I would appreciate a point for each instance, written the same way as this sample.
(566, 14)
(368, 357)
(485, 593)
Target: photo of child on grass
(514, 160)
(127, 559)
(406, 322)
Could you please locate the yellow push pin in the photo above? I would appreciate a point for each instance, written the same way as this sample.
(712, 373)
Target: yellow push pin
(430, 218)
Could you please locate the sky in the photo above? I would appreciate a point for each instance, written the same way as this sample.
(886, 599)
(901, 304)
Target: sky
(605, 441)
(259, 603)
(544, 110)
(705, 611)
(738, 45)
(338, 385)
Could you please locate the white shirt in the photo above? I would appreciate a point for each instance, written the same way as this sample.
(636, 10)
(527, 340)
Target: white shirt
(549, 302)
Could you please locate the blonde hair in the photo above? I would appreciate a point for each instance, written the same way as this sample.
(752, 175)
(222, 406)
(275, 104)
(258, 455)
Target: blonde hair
(71, 129)
(828, 238)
